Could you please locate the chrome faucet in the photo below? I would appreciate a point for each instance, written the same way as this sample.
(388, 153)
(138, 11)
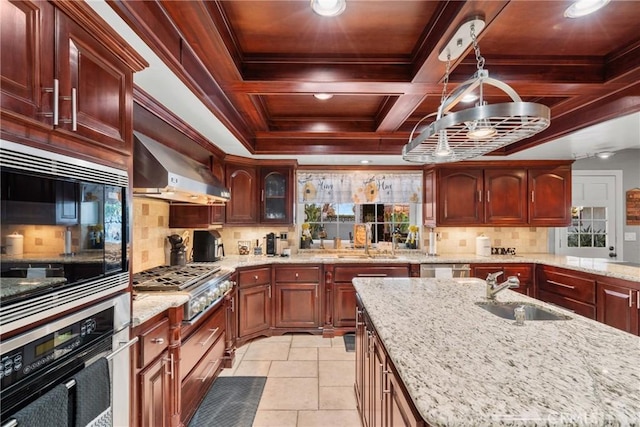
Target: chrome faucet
(493, 287)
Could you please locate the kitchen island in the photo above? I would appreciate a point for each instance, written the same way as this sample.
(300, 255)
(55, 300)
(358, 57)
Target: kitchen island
(463, 366)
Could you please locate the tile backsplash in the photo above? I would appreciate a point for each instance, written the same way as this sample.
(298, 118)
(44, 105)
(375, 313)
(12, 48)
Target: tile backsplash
(463, 239)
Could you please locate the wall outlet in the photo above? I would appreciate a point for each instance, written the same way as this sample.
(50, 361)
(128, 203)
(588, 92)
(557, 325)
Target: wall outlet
(630, 236)
(283, 236)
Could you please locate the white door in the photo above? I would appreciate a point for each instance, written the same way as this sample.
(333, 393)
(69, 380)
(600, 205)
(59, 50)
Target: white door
(596, 216)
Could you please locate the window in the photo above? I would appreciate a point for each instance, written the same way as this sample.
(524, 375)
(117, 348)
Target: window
(588, 227)
(333, 204)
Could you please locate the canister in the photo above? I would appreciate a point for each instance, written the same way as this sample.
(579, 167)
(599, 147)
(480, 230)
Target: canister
(483, 246)
(14, 244)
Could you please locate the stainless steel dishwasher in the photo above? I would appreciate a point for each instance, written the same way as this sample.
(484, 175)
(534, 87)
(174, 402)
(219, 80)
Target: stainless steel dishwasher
(444, 271)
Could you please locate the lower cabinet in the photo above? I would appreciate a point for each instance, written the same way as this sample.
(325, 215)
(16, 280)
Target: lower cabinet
(569, 289)
(297, 296)
(380, 395)
(524, 273)
(155, 390)
(619, 304)
(254, 302)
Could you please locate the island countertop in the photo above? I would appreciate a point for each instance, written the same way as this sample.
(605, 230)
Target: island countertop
(464, 366)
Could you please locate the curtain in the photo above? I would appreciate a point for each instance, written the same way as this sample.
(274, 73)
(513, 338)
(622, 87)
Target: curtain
(359, 187)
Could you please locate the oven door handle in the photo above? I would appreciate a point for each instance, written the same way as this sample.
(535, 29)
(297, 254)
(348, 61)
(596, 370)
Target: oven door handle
(123, 346)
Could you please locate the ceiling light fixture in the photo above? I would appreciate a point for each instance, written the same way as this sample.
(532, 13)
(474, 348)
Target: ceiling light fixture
(584, 7)
(470, 97)
(322, 96)
(328, 7)
(605, 154)
(474, 131)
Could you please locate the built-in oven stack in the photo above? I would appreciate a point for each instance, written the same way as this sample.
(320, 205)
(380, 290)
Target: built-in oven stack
(205, 283)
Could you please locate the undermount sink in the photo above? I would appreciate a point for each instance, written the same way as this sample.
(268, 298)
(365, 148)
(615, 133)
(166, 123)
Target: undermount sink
(532, 312)
(360, 256)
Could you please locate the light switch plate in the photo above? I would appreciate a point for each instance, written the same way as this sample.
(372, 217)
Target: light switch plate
(630, 236)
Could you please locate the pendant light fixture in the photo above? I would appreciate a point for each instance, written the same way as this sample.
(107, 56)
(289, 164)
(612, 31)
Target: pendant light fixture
(473, 132)
(328, 7)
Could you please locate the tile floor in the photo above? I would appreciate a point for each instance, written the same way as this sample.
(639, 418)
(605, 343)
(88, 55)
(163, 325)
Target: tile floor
(309, 381)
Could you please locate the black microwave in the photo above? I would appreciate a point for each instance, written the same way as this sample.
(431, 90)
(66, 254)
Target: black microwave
(64, 228)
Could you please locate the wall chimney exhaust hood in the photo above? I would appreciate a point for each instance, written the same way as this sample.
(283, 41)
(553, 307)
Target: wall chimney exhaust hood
(163, 173)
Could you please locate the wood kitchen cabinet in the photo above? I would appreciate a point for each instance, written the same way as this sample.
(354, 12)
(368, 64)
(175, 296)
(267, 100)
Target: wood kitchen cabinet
(242, 180)
(618, 304)
(342, 294)
(90, 67)
(524, 273)
(254, 303)
(380, 395)
(570, 289)
(276, 195)
(498, 194)
(298, 295)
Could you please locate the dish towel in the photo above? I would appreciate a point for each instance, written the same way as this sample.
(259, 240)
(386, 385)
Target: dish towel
(93, 392)
(51, 409)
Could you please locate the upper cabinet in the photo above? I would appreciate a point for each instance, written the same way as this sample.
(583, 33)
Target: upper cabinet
(68, 83)
(259, 194)
(500, 194)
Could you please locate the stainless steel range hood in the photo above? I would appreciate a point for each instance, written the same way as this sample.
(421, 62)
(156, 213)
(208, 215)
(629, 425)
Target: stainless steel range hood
(163, 173)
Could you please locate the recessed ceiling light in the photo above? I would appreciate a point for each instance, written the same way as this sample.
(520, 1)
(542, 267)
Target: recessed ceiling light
(328, 7)
(604, 154)
(584, 7)
(323, 96)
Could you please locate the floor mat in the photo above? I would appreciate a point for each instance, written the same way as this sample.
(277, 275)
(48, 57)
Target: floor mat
(230, 402)
(349, 342)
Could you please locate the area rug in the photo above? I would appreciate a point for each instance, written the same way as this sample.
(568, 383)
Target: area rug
(230, 402)
(349, 342)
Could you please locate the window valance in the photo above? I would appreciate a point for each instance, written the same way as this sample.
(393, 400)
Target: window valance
(359, 187)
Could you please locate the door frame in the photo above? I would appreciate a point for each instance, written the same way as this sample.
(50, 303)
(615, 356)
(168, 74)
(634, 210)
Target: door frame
(619, 197)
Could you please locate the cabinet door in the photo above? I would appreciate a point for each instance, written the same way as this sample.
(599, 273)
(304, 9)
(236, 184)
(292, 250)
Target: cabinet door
(400, 412)
(275, 196)
(154, 393)
(505, 198)
(361, 349)
(460, 197)
(378, 410)
(100, 83)
(255, 309)
(26, 58)
(67, 202)
(524, 273)
(297, 305)
(550, 197)
(344, 302)
(618, 306)
(241, 209)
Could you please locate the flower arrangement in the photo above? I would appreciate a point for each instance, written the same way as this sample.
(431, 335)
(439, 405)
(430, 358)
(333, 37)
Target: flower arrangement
(412, 237)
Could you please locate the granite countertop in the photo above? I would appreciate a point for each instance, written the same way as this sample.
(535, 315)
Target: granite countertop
(13, 286)
(465, 366)
(55, 258)
(148, 304)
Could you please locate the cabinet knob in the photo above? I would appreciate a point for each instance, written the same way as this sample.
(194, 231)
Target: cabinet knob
(297, 275)
(158, 340)
(255, 277)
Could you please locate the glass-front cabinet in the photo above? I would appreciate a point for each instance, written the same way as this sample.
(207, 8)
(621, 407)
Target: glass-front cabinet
(275, 196)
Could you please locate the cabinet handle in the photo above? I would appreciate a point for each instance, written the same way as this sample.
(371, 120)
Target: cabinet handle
(233, 305)
(561, 284)
(158, 341)
(269, 291)
(638, 300)
(480, 196)
(316, 286)
(206, 375)
(262, 196)
(630, 298)
(56, 100)
(533, 198)
(297, 275)
(488, 196)
(74, 109)
(213, 333)
(170, 360)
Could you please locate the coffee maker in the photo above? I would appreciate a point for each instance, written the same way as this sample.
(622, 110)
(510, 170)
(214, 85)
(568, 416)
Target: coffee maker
(272, 246)
(207, 246)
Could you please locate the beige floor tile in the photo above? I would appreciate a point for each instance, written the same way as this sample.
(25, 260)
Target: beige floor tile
(275, 419)
(280, 338)
(253, 368)
(310, 341)
(337, 342)
(336, 373)
(335, 353)
(267, 351)
(242, 350)
(289, 394)
(337, 398)
(303, 353)
(293, 369)
(328, 418)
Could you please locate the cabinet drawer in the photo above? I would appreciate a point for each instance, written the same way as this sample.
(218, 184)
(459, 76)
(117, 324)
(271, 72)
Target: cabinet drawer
(577, 307)
(194, 386)
(574, 287)
(345, 274)
(258, 276)
(522, 272)
(202, 339)
(298, 274)
(153, 341)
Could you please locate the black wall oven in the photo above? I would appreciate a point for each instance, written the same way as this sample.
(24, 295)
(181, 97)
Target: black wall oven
(65, 236)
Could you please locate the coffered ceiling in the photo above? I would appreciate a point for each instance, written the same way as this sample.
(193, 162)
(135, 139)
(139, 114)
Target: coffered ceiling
(256, 64)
